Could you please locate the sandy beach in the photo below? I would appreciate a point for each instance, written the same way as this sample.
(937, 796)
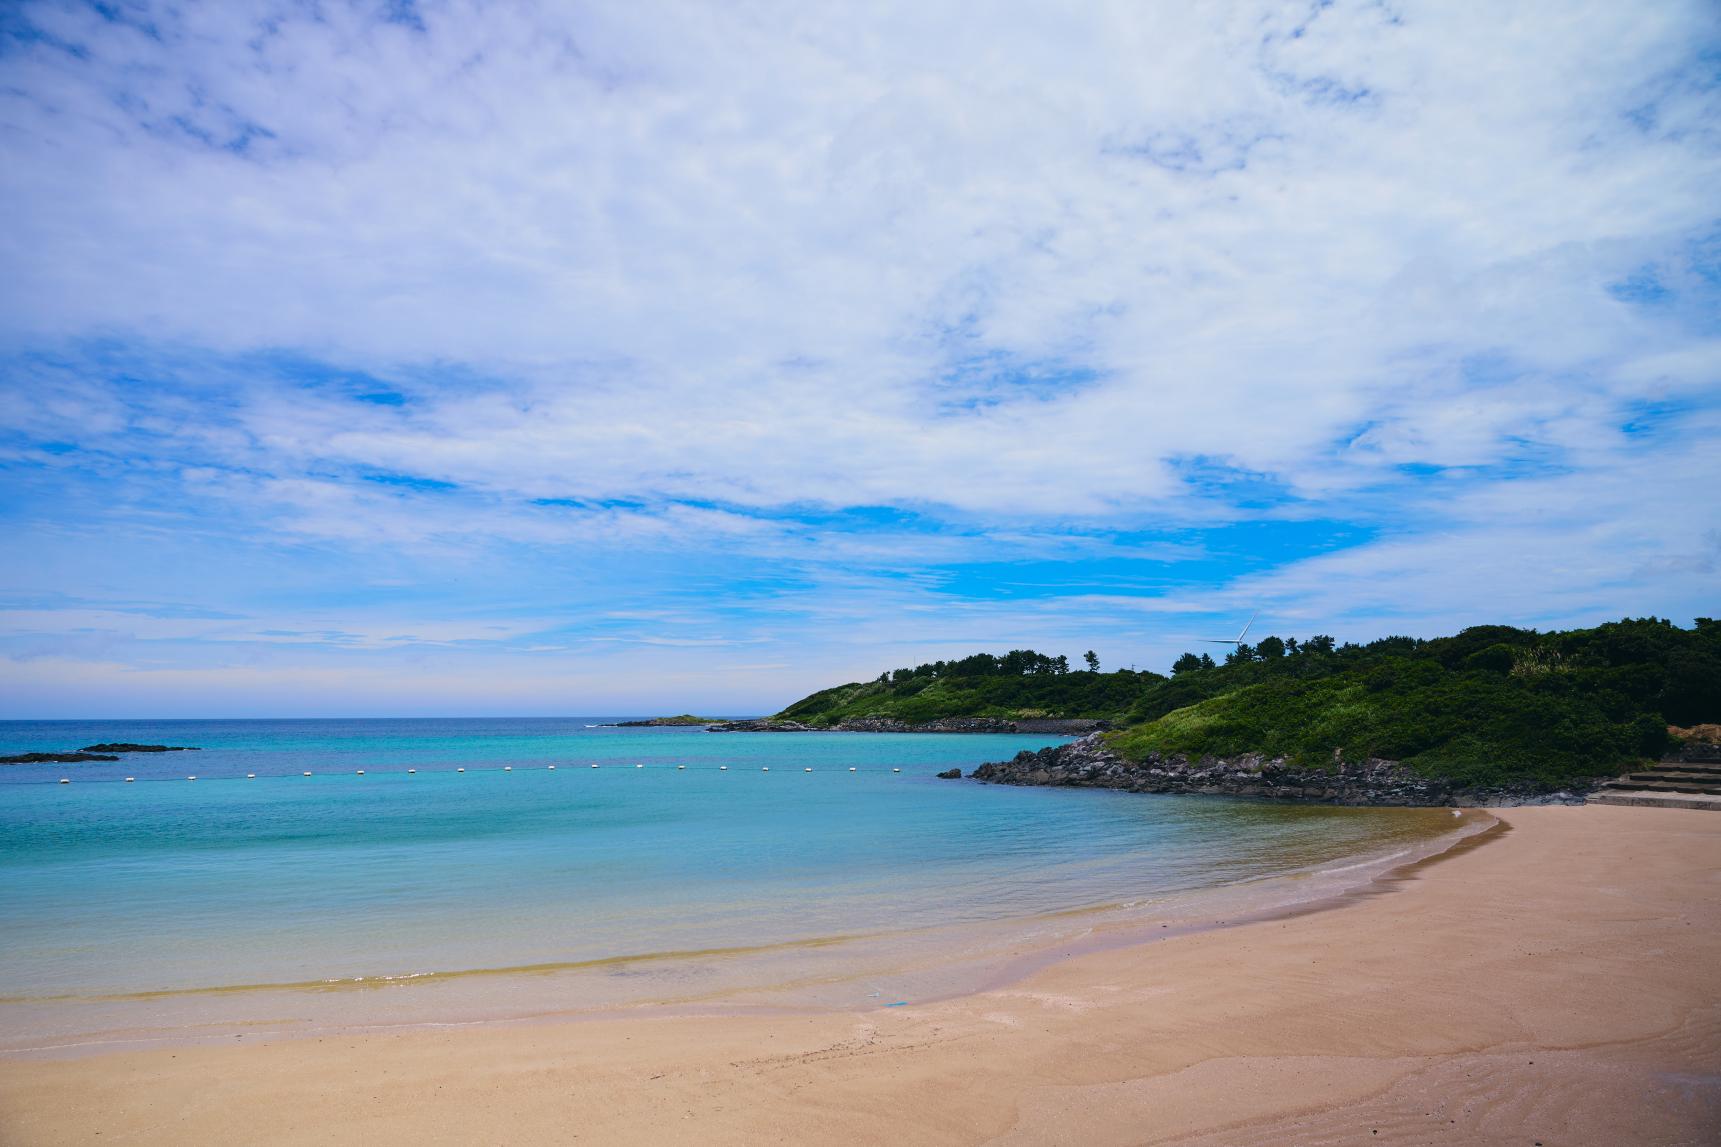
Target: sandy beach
(1555, 984)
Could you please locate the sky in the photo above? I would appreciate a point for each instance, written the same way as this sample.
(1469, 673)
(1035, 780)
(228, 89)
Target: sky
(460, 358)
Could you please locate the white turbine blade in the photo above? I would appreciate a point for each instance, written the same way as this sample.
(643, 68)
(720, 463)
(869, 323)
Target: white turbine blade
(1245, 632)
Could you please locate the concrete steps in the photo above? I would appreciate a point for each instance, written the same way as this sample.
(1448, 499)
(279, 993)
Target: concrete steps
(1670, 779)
(1671, 784)
(1655, 800)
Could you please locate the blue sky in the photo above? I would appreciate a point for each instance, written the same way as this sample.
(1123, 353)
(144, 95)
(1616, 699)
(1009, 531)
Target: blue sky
(451, 358)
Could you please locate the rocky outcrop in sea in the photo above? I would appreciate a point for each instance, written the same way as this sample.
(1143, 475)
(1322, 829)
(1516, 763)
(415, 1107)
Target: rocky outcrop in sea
(129, 747)
(1090, 763)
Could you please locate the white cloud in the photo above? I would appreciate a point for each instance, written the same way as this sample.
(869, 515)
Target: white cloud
(1011, 268)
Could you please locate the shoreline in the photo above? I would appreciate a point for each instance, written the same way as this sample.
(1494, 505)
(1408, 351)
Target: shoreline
(1555, 985)
(804, 976)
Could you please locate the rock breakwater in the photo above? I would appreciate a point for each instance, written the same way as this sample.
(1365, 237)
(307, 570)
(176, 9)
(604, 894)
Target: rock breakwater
(1090, 763)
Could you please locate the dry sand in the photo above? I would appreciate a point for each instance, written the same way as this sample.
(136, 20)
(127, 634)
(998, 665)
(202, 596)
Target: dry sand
(1559, 984)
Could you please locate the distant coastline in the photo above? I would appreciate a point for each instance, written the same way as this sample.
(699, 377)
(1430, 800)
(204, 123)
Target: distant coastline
(1491, 715)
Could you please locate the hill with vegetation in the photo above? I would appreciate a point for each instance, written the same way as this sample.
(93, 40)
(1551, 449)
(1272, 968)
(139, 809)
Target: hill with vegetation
(1018, 685)
(1488, 705)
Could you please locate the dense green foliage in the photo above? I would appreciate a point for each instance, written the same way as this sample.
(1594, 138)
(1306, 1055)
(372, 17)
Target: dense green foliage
(1490, 704)
(1016, 663)
(928, 697)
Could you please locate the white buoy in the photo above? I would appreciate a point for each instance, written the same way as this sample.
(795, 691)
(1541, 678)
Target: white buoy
(722, 768)
(896, 770)
(130, 780)
(639, 766)
(307, 774)
(461, 770)
(65, 780)
(361, 772)
(507, 768)
(594, 766)
(680, 768)
(766, 769)
(248, 776)
(807, 770)
(412, 770)
(190, 778)
(552, 768)
(851, 768)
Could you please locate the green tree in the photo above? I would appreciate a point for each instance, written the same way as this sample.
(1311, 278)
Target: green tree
(1188, 663)
(1093, 660)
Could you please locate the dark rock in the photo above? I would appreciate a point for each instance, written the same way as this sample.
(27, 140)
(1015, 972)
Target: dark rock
(128, 747)
(55, 758)
(950, 775)
(1069, 727)
(1090, 763)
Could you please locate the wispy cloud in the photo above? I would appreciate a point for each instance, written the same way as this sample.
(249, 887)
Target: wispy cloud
(405, 338)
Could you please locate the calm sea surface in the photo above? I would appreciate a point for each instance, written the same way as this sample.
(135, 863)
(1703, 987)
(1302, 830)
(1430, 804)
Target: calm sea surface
(108, 887)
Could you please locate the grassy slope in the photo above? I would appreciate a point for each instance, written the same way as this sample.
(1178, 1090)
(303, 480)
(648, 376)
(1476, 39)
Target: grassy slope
(1487, 705)
(1105, 695)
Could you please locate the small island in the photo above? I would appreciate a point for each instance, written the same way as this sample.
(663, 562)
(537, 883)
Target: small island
(685, 719)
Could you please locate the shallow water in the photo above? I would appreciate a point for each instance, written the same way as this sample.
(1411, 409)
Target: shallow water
(109, 888)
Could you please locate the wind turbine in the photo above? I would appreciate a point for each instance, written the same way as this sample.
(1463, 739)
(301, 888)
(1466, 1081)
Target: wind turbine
(1232, 641)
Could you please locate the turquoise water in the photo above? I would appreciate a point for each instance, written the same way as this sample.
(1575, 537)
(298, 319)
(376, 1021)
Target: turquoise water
(164, 884)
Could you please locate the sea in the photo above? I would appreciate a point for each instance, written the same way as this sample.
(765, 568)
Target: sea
(292, 875)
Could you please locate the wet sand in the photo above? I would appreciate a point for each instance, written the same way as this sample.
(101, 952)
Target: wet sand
(1557, 983)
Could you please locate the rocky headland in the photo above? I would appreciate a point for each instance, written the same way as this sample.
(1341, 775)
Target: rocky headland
(1090, 763)
(1058, 726)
